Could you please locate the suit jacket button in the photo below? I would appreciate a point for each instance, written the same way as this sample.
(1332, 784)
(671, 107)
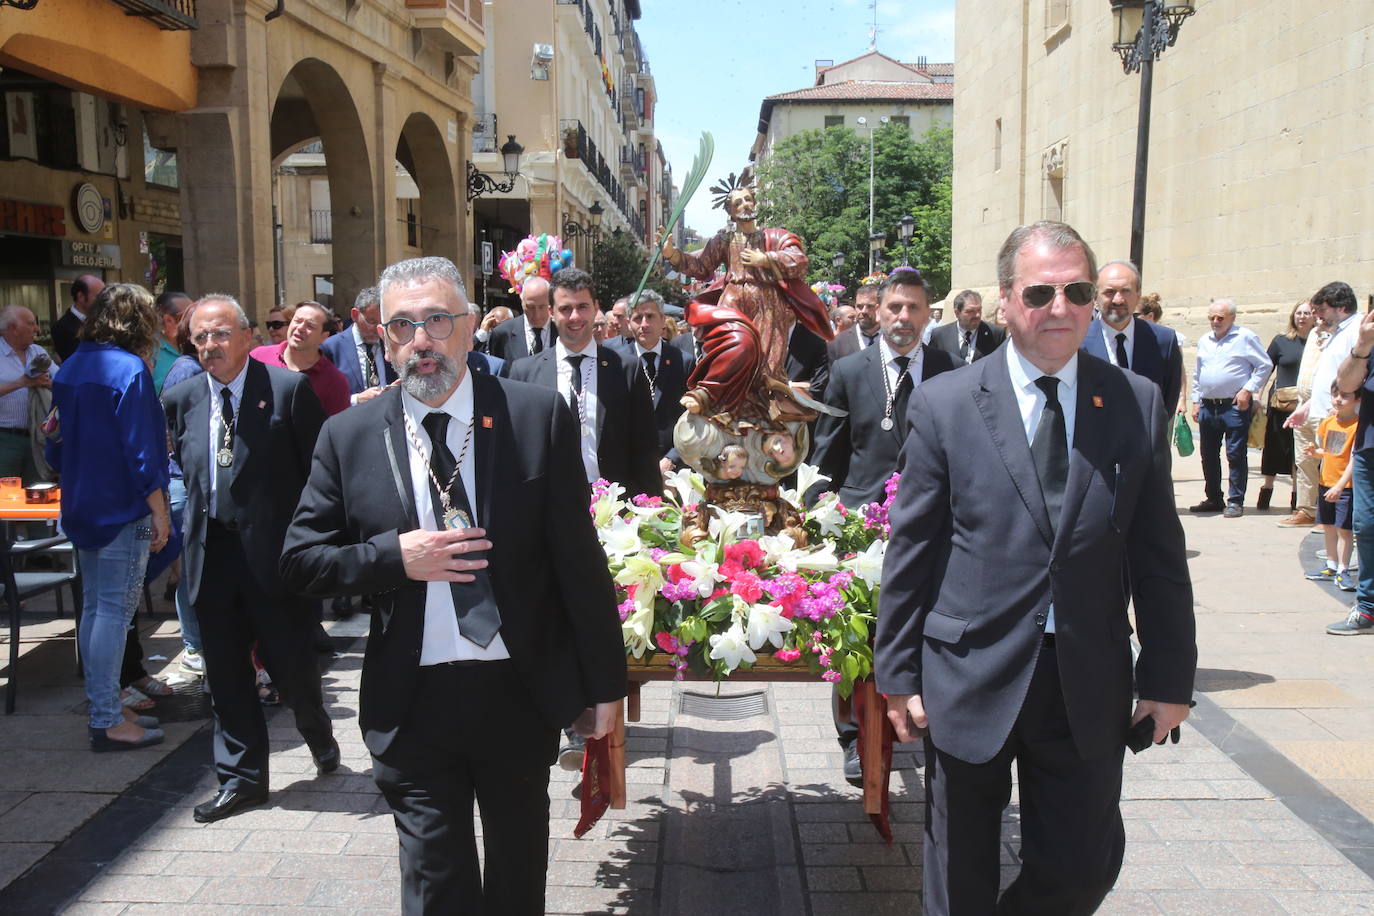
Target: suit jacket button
(1054, 567)
(1040, 621)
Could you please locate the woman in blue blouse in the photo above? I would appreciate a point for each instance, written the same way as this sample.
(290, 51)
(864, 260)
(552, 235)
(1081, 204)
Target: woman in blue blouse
(111, 451)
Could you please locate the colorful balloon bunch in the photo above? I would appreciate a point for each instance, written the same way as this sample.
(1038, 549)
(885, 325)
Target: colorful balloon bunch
(829, 293)
(535, 256)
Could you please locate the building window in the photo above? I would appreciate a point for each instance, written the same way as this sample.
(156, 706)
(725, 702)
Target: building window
(159, 165)
(997, 145)
(834, 121)
(1056, 15)
(902, 121)
(1053, 170)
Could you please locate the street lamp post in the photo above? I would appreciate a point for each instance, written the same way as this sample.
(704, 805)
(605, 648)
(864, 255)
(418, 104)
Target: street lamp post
(905, 227)
(876, 241)
(1144, 30)
(590, 231)
(863, 122)
(837, 262)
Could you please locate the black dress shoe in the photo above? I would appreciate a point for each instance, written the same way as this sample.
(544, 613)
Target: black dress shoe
(327, 762)
(1208, 505)
(228, 803)
(853, 770)
(342, 607)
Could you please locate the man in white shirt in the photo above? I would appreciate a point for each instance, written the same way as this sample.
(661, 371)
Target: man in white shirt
(22, 368)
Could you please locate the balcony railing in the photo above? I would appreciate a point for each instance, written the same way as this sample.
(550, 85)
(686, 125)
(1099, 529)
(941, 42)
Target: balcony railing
(484, 133)
(168, 15)
(578, 145)
(321, 227)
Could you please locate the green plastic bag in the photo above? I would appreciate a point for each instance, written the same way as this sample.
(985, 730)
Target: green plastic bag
(1183, 436)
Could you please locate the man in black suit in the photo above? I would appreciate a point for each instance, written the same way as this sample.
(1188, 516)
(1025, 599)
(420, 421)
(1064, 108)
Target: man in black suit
(494, 621)
(664, 366)
(243, 434)
(968, 337)
(807, 360)
(1133, 343)
(1052, 468)
(529, 333)
(357, 351)
(866, 329)
(607, 391)
(84, 290)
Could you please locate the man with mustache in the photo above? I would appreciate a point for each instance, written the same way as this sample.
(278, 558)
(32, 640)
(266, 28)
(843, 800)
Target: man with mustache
(457, 500)
(243, 434)
(859, 450)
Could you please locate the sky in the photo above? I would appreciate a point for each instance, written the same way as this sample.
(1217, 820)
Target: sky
(714, 61)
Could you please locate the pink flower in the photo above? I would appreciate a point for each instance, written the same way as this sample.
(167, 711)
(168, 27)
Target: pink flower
(626, 608)
(787, 655)
(729, 569)
(833, 677)
(645, 500)
(748, 586)
(842, 579)
(665, 641)
(746, 553)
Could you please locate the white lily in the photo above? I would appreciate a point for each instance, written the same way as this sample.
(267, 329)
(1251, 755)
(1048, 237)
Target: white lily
(725, 524)
(689, 486)
(826, 513)
(620, 538)
(766, 624)
(776, 546)
(637, 630)
(732, 647)
(704, 573)
(869, 564)
(608, 505)
(808, 475)
(820, 560)
(645, 572)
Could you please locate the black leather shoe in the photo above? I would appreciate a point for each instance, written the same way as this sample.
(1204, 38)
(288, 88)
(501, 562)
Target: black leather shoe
(342, 607)
(228, 803)
(327, 762)
(1208, 505)
(853, 770)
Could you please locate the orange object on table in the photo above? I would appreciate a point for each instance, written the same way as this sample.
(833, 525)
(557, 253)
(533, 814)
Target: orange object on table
(14, 508)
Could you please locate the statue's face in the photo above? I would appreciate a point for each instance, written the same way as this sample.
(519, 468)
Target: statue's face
(741, 205)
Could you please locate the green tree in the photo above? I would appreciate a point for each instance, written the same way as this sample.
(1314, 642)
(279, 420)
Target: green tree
(815, 184)
(619, 261)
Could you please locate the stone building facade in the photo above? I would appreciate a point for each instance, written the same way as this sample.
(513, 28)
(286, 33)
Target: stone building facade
(1259, 182)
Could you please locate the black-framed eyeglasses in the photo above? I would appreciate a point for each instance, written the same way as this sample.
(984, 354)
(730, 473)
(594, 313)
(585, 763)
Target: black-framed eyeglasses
(438, 326)
(1039, 295)
(275, 325)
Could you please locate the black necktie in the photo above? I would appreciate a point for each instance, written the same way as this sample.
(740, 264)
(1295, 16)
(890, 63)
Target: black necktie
(224, 476)
(651, 368)
(1121, 359)
(870, 339)
(473, 602)
(538, 339)
(1050, 449)
(369, 365)
(901, 394)
(575, 360)
(966, 350)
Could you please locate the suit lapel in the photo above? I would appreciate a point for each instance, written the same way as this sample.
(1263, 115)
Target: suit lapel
(606, 383)
(873, 376)
(485, 406)
(397, 451)
(250, 426)
(997, 403)
(1145, 357)
(196, 455)
(1090, 436)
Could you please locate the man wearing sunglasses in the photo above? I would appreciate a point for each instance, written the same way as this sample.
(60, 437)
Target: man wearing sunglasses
(458, 501)
(1232, 366)
(1035, 482)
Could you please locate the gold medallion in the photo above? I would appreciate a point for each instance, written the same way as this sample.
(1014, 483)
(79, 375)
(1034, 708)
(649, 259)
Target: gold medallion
(224, 458)
(457, 520)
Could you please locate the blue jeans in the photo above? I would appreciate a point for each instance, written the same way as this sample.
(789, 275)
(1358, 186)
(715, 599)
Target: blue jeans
(1232, 424)
(186, 615)
(1362, 482)
(112, 584)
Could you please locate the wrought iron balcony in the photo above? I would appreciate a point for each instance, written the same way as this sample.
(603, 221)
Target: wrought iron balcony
(168, 15)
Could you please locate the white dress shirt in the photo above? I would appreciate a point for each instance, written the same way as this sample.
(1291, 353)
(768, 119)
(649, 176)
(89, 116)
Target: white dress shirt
(1109, 338)
(530, 332)
(441, 641)
(235, 387)
(14, 407)
(589, 425)
(889, 356)
(1030, 400)
(1334, 352)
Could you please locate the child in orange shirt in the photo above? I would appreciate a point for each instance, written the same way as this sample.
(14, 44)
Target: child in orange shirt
(1335, 498)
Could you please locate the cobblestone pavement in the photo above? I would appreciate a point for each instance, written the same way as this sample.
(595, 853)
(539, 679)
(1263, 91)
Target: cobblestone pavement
(1263, 808)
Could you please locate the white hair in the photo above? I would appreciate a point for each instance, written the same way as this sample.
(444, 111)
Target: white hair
(415, 271)
(227, 300)
(647, 297)
(9, 315)
(1228, 304)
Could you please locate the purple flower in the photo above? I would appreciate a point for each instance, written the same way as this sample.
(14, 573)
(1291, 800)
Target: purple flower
(626, 608)
(832, 676)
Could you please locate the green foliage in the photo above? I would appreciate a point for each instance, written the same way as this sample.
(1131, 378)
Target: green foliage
(816, 184)
(619, 262)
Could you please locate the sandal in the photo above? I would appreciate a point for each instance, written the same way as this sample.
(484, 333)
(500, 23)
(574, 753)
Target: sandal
(135, 699)
(151, 686)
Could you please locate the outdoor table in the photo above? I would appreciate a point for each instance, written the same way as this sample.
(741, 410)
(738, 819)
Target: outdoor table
(660, 668)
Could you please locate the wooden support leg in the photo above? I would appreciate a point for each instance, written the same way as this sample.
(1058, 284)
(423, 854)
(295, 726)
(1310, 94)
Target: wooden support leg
(875, 769)
(632, 702)
(617, 756)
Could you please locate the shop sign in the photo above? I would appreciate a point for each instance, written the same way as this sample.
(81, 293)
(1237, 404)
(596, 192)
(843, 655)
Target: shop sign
(89, 254)
(32, 219)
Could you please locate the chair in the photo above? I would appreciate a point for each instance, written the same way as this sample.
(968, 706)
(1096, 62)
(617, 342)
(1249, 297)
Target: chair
(20, 586)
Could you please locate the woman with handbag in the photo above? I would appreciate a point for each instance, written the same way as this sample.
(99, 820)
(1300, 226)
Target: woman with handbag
(1285, 350)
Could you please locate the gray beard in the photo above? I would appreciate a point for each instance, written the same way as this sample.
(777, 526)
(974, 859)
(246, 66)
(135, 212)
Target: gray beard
(431, 386)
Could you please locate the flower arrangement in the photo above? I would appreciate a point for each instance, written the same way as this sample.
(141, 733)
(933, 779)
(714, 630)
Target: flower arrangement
(829, 293)
(873, 279)
(713, 607)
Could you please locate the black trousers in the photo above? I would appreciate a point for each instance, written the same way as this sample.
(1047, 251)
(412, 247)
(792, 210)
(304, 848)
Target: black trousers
(472, 733)
(1072, 839)
(233, 612)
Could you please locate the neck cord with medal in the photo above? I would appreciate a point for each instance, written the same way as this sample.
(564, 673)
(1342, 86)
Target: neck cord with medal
(451, 517)
(644, 368)
(580, 398)
(224, 456)
(890, 389)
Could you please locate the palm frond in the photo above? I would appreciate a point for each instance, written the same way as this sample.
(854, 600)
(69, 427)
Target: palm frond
(695, 176)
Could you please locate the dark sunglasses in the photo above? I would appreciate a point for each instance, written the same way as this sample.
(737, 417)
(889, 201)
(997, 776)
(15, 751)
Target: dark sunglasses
(275, 325)
(1039, 295)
